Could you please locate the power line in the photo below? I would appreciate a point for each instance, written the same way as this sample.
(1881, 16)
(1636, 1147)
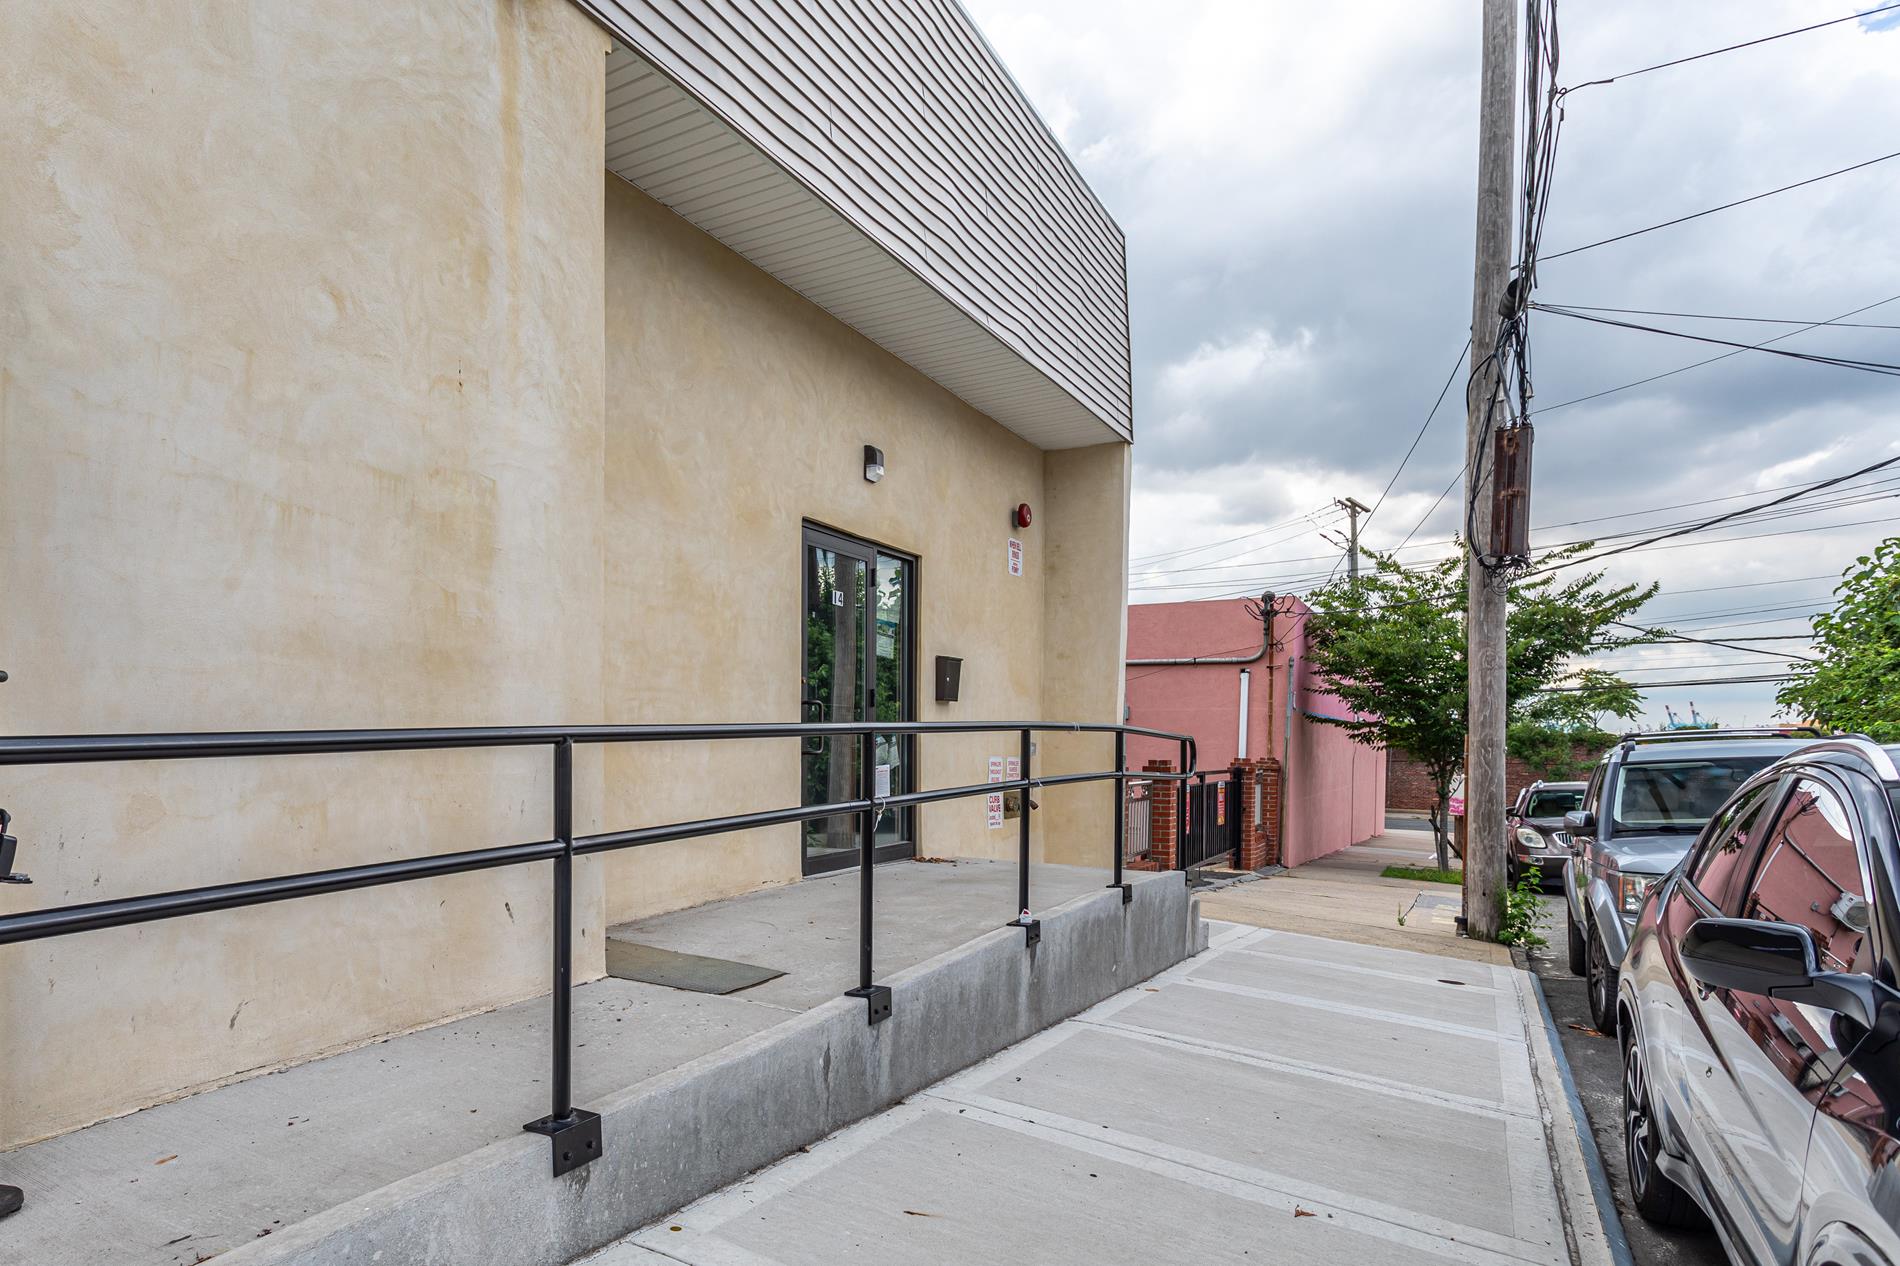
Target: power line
(1754, 584)
(1682, 369)
(1698, 665)
(1428, 514)
(1842, 362)
(1880, 490)
(1223, 563)
(1663, 685)
(1694, 57)
(1705, 524)
(1685, 505)
(1712, 316)
(1423, 427)
(1250, 585)
(1730, 645)
(1808, 605)
(1744, 624)
(1296, 521)
(1684, 219)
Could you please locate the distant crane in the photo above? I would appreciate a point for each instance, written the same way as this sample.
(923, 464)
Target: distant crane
(1695, 721)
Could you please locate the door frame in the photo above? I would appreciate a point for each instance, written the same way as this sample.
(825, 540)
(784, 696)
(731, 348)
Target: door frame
(813, 533)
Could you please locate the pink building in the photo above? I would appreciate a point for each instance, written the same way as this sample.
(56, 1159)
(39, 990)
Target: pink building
(1258, 702)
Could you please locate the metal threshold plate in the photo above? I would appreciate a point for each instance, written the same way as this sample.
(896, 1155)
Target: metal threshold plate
(629, 960)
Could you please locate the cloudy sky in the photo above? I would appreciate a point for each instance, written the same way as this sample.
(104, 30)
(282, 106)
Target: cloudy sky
(1296, 182)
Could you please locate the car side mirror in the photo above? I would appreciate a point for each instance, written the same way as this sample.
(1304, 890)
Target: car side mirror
(1775, 960)
(1580, 820)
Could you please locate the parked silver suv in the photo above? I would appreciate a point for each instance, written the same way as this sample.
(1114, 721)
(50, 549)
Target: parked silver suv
(1759, 1018)
(1646, 801)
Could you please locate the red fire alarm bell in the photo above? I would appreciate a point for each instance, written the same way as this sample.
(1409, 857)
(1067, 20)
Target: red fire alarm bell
(1022, 515)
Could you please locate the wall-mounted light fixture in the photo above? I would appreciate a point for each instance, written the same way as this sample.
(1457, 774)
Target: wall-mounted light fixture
(873, 464)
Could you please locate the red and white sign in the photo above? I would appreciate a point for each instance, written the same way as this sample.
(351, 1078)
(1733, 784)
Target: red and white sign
(1015, 557)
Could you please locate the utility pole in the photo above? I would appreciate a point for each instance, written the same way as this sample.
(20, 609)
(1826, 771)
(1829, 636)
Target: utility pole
(1352, 507)
(1485, 608)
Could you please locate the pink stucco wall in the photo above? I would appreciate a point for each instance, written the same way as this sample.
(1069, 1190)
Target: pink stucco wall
(1335, 788)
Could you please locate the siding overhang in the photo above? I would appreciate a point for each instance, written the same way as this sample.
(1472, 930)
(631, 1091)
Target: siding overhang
(876, 157)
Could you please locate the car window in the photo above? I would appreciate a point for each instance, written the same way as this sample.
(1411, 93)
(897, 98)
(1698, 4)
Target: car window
(1810, 875)
(1677, 796)
(1595, 786)
(1553, 804)
(1727, 851)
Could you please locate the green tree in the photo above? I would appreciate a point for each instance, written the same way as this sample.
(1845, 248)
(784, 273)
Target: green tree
(1391, 645)
(1855, 683)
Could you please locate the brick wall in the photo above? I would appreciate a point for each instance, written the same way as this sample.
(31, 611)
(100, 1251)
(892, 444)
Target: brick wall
(1409, 787)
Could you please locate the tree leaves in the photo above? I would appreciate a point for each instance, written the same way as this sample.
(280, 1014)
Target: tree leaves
(1392, 645)
(1855, 685)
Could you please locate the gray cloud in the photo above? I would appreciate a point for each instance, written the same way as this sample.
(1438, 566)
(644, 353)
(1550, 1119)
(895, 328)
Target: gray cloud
(1296, 184)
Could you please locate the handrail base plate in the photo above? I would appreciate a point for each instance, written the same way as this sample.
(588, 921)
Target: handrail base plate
(576, 1138)
(877, 1000)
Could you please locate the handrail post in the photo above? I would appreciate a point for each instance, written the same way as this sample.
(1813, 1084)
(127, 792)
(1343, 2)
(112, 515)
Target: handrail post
(574, 1132)
(1119, 785)
(1031, 926)
(1184, 812)
(877, 998)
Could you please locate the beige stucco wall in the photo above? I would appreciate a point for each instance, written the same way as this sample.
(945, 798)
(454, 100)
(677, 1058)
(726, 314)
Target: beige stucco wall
(1085, 636)
(736, 411)
(340, 387)
(300, 425)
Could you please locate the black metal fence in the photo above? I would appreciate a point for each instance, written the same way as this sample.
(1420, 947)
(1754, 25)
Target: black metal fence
(575, 1132)
(1210, 827)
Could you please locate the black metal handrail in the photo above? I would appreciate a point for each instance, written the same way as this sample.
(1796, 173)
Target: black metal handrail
(575, 1132)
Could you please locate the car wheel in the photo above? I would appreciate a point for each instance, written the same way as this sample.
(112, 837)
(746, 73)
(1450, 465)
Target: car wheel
(1655, 1196)
(1600, 984)
(1574, 936)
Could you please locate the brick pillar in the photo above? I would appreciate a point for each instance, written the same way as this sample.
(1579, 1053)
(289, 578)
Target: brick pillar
(1162, 817)
(1253, 844)
(1272, 793)
(1259, 813)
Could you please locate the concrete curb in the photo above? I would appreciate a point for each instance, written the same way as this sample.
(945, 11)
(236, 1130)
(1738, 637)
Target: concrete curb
(1582, 1184)
(696, 1128)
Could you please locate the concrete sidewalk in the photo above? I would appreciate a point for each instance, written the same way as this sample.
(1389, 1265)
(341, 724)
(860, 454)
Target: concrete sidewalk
(1343, 896)
(1278, 1098)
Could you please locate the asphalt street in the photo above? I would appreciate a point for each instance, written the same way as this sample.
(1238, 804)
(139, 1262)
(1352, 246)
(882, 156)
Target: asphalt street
(1597, 1065)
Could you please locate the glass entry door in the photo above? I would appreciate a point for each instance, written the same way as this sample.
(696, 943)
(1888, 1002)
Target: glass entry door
(857, 666)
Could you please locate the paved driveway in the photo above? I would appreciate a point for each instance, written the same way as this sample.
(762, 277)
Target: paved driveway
(1280, 1098)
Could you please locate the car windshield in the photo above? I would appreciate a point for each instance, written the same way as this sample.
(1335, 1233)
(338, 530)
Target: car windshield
(1678, 795)
(1553, 804)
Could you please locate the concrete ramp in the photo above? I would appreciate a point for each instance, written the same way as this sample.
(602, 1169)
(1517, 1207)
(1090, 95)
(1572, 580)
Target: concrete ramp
(409, 1150)
(1278, 1099)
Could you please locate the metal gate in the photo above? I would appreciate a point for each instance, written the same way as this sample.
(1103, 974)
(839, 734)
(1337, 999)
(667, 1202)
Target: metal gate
(1211, 833)
(1137, 820)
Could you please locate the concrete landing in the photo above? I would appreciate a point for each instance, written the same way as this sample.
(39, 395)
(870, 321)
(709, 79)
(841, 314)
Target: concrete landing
(410, 1149)
(1277, 1099)
(809, 930)
(183, 1181)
